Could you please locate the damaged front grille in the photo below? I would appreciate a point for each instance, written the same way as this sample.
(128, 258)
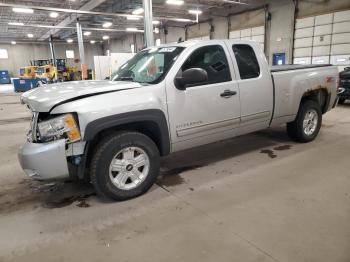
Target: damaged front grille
(33, 134)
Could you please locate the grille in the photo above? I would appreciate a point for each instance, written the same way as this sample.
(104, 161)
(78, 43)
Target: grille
(345, 83)
(33, 134)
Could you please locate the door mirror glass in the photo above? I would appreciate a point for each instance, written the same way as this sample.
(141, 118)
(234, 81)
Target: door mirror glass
(191, 77)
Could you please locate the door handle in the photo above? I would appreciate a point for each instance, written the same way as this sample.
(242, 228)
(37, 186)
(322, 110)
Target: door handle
(228, 93)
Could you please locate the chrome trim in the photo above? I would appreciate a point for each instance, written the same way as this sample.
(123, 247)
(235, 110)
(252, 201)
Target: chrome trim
(341, 90)
(207, 127)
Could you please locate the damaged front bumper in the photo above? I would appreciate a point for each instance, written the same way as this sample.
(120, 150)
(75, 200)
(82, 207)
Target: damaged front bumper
(44, 161)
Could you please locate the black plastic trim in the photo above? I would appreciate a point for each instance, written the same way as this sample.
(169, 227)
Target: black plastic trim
(282, 68)
(274, 99)
(151, 115)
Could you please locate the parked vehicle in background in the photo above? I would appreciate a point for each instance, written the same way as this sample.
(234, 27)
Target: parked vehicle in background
(344, 85)
(166, 99)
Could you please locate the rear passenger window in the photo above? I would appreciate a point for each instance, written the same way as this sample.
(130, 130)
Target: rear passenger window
(213, 60)
(247, 63)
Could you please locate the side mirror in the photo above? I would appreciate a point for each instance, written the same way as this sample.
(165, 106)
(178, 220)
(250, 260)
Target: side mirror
(191, 77)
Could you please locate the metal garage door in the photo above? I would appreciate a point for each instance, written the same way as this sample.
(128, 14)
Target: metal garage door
(323, 39)
(206, 37)
(253, 33)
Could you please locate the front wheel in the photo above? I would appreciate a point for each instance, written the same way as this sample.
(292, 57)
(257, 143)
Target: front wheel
(307, 124)
(124, 165)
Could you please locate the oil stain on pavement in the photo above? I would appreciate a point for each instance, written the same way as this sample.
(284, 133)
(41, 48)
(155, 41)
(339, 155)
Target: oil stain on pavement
(172, 177)
(271, 153)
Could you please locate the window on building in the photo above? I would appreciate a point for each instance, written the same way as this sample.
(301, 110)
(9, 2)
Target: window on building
(3, 54)
(70, 54)
(247, 62)
(213, 60)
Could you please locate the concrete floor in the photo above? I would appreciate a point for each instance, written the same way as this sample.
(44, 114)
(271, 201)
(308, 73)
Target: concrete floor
(259, 197)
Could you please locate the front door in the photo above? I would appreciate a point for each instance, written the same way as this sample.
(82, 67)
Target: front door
(204, 112)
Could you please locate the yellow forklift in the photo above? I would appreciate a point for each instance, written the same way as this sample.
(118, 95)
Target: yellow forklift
(48, 73)
(28, 72)
(27, 79)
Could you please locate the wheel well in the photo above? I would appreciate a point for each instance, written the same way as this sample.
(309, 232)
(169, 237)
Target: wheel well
(320, 96)
(148, 128)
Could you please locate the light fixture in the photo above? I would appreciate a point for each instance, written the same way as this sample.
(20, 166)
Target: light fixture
(341, 60)
(53, 14)
(87, 33)
(30, 35)
(105, 37)
(107, 24)
(22, 10)
(195, 12)
(16, 23)
(235, 2)
(182, 20)
(175, 2)
(92, 42)
(138, 11)
(13, 42)
(155, 22)
(131, 17)
(156, 30)
(69, 40)
(131, 29)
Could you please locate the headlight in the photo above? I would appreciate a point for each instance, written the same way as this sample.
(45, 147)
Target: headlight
(59, 127)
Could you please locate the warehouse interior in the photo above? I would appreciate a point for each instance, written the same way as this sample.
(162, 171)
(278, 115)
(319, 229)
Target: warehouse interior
(256, 197)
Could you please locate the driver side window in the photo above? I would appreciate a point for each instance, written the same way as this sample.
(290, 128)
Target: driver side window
(213, 60)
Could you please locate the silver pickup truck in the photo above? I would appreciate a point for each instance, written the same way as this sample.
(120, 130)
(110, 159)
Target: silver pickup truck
(166, 99)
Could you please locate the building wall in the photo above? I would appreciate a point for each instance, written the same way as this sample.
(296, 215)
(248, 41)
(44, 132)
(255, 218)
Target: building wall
(20, 55)
(123, 45)
(279, 33)
(309, 8)
(247, 20)
(280, 29)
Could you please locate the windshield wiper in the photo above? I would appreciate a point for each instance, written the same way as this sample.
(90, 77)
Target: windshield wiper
(126, 78)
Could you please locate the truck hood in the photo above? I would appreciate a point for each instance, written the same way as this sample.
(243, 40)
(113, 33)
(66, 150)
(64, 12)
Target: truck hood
(44, 98)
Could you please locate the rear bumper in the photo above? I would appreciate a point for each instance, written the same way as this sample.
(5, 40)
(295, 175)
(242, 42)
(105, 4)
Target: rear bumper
(44, 161)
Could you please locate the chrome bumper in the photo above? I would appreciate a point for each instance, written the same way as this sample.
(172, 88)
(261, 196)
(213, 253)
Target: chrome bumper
(44, 161)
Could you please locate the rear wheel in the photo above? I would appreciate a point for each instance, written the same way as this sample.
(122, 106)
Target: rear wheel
(307, 124)
(125, 165)
(341, 101)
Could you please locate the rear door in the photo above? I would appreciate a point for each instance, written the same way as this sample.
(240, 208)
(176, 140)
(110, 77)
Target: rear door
(205, 112)
(255, 85)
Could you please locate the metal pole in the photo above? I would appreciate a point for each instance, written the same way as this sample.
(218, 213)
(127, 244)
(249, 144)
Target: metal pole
(52, 49)
(148, 25)
(80, 43)
(81, 51)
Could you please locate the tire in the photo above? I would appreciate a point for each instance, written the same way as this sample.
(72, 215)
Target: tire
(341, 101)
(296, 130)
(125, 149)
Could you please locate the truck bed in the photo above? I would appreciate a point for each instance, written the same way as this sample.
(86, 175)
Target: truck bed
(295, 67)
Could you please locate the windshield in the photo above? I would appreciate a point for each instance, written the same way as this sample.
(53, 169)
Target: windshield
(148, 66)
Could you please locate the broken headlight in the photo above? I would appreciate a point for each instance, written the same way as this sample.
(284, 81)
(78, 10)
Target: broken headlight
(60, 127)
